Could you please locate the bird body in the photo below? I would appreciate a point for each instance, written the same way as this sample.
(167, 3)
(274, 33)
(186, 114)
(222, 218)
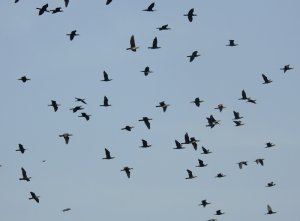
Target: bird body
(220, 175)
(219, 212)
(231, 43)
(237, 115)
(66, 209)
(163, 27)
(269, 144)
(270, 184)
(24, 79)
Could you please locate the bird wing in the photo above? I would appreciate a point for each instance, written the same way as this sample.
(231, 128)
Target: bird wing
(107, 153)
(66, 139)
(178, 145)
(265, 78)
(127, 172)
(105, 100)
(144, 143)
(269, 208)
(190, 173)
(204, 149)
(154, 44)
(147, 123)
(151, 6)
(24, 172)
(108, 2)
(186, 138)
(132, 42)
(105, 75)
(66, 3)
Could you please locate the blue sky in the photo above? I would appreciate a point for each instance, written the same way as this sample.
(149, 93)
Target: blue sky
(75, 175)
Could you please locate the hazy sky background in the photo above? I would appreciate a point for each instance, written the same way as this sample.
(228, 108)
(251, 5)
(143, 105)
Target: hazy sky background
(75, 175)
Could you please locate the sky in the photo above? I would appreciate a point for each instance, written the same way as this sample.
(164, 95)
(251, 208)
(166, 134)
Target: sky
(75, 176)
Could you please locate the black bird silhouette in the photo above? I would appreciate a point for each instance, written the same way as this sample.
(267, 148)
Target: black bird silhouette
(127, 171)
(72, 34)
(205, 151)
(107, 155)
(154, 44)
(24, 79)
(231, 43)
(219, 212)
(249, 99)
(77, 99)
(146, 121)
(56, 10)
(238, 123)
(266, 79)
(66, 136)
(190, 175)
(34, 197)
(286, 68)
(237, 115)
(85, 115)
(66, 209)
(201, 163)
(220, 107)
(128, 128)
(193, 55)
(24, 175)
(197, 101)
(54, 104)
(270, 184)
(66, 3)
(43, 9)
(147, 71)
(244, 96)
(108, 2)
(204, 203)
(145, 144)
(186, 139)
(105, 102)
(133, 47)
(194, 142)
(77, 108)
(150, 7)
(212, 121)
(21, 148)
(163, 105)
(163, 27)
(16, 1)
(269, 144)
(270, 211)
(190, 14)
(220, 175)
(105, 77)
(241, 163)
(178, 145)
(259, 161)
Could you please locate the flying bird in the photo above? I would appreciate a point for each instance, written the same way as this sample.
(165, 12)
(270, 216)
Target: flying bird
(54, 104)
(212, 121)
(21, 148)
(24, 79)
(105, 77)
(270, 211)
(133, 47)
(163, 27)
(72, 34)
(266, 79)
(205, 151)
(146, 121)
(220, 175)
(194, 142)
(107, 155)
(259, 161)
(238, 123)
(77, 99)
(43, 9)
(190, 175)
(201, 163)
(190, 14)
(56, 10)
(145, 144)
(269, 144)
(186, 139)
(286, 68)
(220, 107)
(237, 115)
(34, 197)
(204, 203)
(231, 43)
(178, 145)
(163, 105)
(219, 212)
(128, 128)
(24, 175)
(249, 99)
(66, 209)
(77, 108)
(270, 184)
(147, 71)
(154, 44)
(193, 55)
(197, 101)
(150, 7)
(127, 171)
(66, 3)
(241, 163)
(85, 115)
(244, 96)
(66, 136)
(105, 102)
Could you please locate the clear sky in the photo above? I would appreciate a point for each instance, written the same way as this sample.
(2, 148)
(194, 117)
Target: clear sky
(76, 176)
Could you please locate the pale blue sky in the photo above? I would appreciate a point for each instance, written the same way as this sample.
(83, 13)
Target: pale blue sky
(75, 175)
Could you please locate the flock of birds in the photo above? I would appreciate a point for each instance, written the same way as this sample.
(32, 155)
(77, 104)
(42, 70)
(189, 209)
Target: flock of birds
(211, 121)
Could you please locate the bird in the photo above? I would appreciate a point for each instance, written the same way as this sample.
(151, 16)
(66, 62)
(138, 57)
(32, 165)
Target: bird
(43, 9)
(190, 14)
(197, 101)
(66, 136)
(190, 175)
(212, 121)
(24, 175)
(105, 102)
(186, 139)
(219, 212)
(146, 121)
(193, 55)
(270, 211)
(269, 144)
(154, 44)
(270, 184)
(21, 148)
(163, 27)
(220, 107)
(241, 163)
(231, 43)
(66, 209)
(145, 144)
(238, 123)
(178, 145)
(237, 115)
(107, 155)
(56, 10)
(205, 151)
(220, 175)
(286, 68)
(108, 2)
(163, 105)
(105, 77)
(150, 7)
(266, 79)
(249, 99)
(204, 203)
(194, 142)
(85, 115)
(72, 34)
(147, 71)
(24, 79)
(66, 3)
(244, 96)
(82, 100)
(54, 104)
(127, 171)
(128, 128)
(76, 108)
(133, 47)
(34, 197)
(259, 161)
(201, 163)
